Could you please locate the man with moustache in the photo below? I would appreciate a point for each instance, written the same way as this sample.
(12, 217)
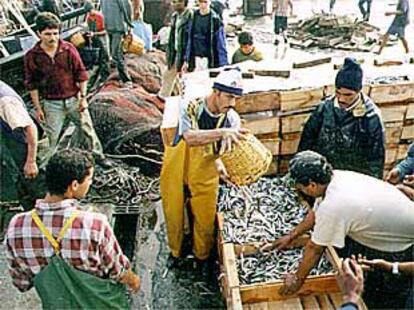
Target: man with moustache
(347, 128)
(191, 167)
(54, 72)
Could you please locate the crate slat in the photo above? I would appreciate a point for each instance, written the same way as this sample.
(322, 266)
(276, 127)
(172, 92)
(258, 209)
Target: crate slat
(393, 113)
(407, 132)
(257, 102)
(387, 93)
(298, 99)
(263, 125)
(309, 303)
(294, 123)
(336, 299)
(270, 291)
(289, 304)
(324, 302)
(260, 306)
(393, 132)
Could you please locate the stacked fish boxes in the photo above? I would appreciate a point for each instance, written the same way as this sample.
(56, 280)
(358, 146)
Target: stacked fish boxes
(396, 102)
(277, 118)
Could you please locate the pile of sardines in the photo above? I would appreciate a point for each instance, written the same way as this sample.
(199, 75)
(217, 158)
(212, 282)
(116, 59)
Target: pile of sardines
(263, 212)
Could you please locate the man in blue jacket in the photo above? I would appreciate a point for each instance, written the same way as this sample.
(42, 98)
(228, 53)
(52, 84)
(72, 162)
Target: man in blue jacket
(347, 128)
(207, 40)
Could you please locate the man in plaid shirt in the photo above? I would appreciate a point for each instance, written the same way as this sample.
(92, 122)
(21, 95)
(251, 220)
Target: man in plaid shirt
(89, 243)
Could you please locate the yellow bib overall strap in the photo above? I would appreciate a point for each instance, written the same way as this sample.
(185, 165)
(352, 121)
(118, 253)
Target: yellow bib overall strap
(54, 242)
(62, 286)
(194, 110)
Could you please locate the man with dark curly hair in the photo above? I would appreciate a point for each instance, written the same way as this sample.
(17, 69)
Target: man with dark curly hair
(70, 256)
(358, 214)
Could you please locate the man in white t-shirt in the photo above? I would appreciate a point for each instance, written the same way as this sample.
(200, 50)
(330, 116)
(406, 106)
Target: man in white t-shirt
(358, 214)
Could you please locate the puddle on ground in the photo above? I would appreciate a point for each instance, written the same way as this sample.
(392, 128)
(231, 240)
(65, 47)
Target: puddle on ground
(163, 288)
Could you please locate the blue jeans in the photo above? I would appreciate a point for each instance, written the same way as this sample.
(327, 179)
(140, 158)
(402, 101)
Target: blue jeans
(57, 113)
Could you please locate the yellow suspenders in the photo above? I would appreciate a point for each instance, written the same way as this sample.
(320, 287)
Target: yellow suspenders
(54, 242)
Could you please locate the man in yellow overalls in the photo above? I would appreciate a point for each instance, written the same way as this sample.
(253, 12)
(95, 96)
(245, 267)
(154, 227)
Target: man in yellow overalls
(207, 126)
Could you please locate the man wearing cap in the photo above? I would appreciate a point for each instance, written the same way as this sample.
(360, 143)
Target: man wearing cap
(358, 214)
(191, 167)
(347, 128)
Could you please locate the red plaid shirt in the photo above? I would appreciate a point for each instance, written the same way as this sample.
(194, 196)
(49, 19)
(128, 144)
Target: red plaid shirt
(89, 244)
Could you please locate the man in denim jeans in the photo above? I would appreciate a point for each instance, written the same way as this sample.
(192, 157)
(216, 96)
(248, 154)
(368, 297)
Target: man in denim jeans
(54, 71)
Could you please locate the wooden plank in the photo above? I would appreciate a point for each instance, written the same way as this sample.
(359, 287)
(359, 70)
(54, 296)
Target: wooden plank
(334, 258)
(236, 303)
(273, 145)
(386, 93)
(290, 143)
(220, 239)
(270, 72)
(263, 125)
(298, 99)
(272, 168)
(270, 291)
(256, 102)
(309, 303)
(294, 123)
(289, 304)
(311, 63)
(410, 112)
(402, 151)
(336, 299)
(324, 302)
(220, 221)
(276, 305)
(391, 154)
(393, 132)
(259, 306)
(230, 268)
(393, 113)
(407, 132)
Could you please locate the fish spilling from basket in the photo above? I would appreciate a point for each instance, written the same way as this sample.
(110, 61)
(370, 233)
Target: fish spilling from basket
(260, 213)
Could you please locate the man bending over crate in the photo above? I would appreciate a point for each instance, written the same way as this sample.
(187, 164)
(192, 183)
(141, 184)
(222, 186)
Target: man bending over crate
(357, 214)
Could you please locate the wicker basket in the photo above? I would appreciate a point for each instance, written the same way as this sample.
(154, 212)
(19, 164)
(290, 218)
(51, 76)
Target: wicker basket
(78, 40)
(248, 162)
(133, 45)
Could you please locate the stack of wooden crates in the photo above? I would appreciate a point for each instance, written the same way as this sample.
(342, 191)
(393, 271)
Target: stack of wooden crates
(277, 118)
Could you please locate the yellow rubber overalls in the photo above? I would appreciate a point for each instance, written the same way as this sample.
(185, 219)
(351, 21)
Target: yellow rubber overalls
(193, 167)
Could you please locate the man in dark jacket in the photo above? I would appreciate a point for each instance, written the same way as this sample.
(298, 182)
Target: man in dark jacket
(207, 41)
(177, 44)
(347, 128)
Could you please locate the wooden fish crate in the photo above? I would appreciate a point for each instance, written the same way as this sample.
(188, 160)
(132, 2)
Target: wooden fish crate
(396, 92)
(261, 101)
(318, 292)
